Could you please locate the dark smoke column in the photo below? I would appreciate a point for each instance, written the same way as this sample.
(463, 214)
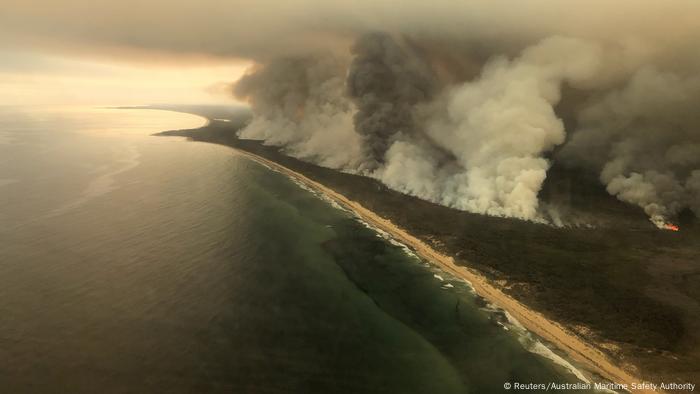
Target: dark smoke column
(386, 81)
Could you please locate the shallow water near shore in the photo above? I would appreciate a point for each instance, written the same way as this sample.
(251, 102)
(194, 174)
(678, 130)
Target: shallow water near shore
(132, 263)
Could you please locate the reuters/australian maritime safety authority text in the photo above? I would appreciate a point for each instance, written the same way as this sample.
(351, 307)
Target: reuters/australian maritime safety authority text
(600, 386)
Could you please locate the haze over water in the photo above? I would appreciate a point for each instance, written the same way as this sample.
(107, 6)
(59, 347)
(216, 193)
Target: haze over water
(133, 263)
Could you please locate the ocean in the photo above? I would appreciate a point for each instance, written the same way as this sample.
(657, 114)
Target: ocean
(131, 263)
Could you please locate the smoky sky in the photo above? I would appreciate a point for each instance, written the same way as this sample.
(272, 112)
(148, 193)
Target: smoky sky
(263, 29)
(455, 102)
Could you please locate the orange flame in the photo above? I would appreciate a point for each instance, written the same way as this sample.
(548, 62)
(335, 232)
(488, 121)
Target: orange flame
(671, 226)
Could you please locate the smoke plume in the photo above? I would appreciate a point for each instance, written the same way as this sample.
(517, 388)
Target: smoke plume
(386, 82)
(644, 138)
(485, 144)
(299, 104)
(461, 103)
(499, 126)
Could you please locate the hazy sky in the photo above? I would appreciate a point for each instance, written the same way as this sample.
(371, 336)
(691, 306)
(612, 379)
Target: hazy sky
(35, 77)
(131, 51)
(44, 60)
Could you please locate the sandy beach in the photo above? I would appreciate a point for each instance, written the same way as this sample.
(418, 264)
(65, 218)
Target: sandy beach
(577, 349)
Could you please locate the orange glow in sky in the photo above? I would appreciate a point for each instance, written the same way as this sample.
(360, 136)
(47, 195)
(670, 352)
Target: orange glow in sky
(28, 78)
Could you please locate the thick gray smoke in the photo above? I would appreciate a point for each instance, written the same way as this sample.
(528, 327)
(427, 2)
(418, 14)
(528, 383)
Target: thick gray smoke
(477, 146)
(644, 138)
(497, 128)
(386, 82)
(483, 145)
(300, 104)
(402, 108)
(456, 103)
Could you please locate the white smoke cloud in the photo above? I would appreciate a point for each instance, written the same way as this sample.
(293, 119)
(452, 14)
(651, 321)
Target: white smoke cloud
(299, 104)
(467, 114)
(644, 138)
(484, 145)
(455, 102)
(498, 128)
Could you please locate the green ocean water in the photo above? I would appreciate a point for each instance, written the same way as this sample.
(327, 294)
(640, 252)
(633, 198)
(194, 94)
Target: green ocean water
(131, 263)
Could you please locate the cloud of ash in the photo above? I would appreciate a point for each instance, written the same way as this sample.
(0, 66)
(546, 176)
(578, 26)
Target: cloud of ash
(461, 103)
(498, 128)
(477, 146)
(300, 104)
(644, 138)
(485, 144)
(386, 82)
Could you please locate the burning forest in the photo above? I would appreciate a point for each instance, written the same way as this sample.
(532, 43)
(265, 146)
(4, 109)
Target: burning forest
(478, 127)
(465, 104)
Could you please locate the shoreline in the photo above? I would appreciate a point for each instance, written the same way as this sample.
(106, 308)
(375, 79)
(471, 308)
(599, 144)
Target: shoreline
(577, 349)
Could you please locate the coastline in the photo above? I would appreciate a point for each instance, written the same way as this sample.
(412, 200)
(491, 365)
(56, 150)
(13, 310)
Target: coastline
(582, 352)
(623, 327)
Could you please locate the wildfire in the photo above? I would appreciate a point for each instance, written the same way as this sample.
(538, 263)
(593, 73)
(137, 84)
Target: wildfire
(671, 226)
(660, 222)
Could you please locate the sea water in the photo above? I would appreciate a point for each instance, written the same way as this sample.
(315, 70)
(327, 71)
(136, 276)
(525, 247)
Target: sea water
(135, 263)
